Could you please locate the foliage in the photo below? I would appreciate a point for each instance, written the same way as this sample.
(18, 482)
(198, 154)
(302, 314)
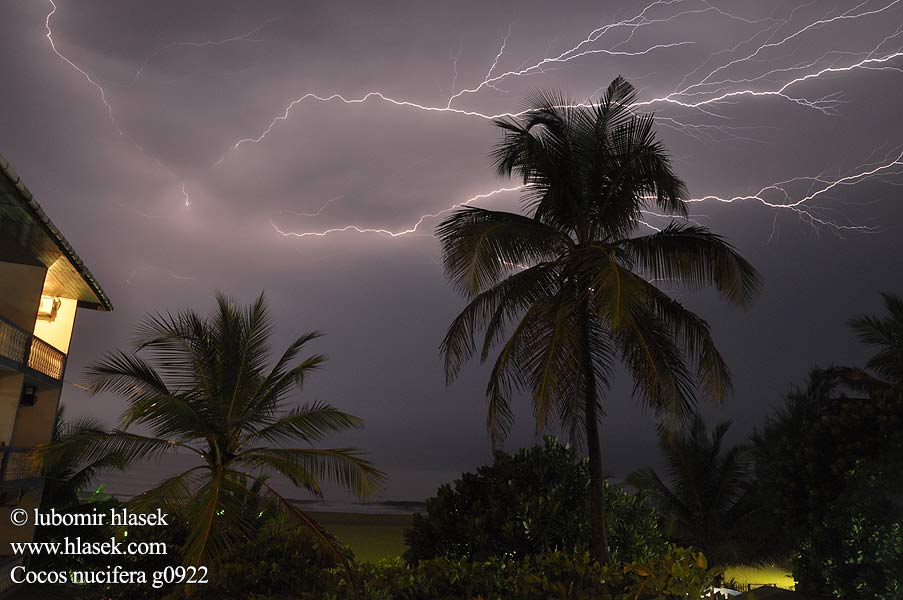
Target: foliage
(530, 502)
(828, 468)
(828, 478)
(677, 574)
(69, 476)
(573, 282)
(173, 535)
(68, 479)
(854, 550)
(884, 370)
(278, 563)
(704, 497)
(201, 386)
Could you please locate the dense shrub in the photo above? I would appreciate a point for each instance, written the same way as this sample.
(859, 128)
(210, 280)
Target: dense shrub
(828, 469)
(289, 565)
(277, 564)
(530, 502)
(853, 549)
(550, 576)
(276, 558)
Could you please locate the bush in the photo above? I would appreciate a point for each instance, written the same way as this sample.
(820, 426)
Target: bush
(276, 564)
(854, 547)
(677, 574)
(287, 565)
(276, 559)
(828, 470)
(527, 503)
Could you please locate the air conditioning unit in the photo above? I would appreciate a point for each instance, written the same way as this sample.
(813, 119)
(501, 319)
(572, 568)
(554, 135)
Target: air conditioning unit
(29, 395)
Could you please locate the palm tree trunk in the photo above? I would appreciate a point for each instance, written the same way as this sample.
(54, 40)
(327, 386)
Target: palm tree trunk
(599, 540)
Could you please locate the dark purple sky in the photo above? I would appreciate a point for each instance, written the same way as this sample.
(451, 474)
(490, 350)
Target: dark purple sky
(140, 106)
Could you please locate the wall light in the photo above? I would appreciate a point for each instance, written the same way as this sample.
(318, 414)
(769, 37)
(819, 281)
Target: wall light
(48, 307)
(29, 395)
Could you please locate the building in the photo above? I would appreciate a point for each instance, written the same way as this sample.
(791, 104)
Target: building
(43, 284)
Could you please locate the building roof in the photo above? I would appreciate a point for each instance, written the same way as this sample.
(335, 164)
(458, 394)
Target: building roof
(27, 235)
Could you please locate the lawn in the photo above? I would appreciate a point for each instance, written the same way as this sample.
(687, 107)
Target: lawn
(372, 537)
(775, 576)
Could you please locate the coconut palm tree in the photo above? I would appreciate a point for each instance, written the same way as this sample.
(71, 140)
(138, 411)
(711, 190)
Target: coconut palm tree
(702, 498)
(575, 280)
(200, 386)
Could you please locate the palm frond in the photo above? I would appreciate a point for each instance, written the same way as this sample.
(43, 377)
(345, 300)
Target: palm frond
(887, 334)
(493, 310)
(694, 257)
(172, 493)
(330, 542)
(217, 517)
(310, 423)
(480, 247)
(344, 466)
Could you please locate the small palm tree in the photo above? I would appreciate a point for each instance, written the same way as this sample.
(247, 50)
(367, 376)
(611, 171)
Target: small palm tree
(702, 497)
(201, 385)
(68, 476)
(576, 283)
(886, 366)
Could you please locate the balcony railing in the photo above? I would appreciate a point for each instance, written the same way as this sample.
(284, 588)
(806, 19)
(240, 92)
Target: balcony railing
(7, 564)
(27, 351)
(15, 467)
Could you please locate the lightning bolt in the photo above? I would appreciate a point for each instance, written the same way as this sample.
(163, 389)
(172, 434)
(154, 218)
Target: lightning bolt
(709, 90)
(891, 166)
(677, 98)
(88, 78)
(244, 37)
(410, 104)
(319, 211)
(106, 103)
(800, 206)
(170, 273)
(411, 230)
(717, 82)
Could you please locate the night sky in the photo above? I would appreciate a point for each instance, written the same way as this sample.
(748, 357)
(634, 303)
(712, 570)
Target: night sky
(162, 138)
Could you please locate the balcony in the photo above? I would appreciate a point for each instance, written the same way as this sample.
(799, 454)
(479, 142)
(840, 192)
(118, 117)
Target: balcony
(15, 470)
(22, 350)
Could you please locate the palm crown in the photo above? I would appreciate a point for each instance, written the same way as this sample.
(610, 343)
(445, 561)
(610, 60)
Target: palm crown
(201, 385)
(571, 279)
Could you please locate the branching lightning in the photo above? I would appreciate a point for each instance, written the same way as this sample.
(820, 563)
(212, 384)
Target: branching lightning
(244, 37)
(776, 196)
(710, 90)
(170, 273)
(108, 105)
(716, 96)
(411, 230)
(88, 78)
(742, 71)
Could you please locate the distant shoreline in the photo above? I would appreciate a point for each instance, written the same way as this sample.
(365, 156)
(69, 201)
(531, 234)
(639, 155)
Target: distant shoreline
(382, 507)
(378, 507)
